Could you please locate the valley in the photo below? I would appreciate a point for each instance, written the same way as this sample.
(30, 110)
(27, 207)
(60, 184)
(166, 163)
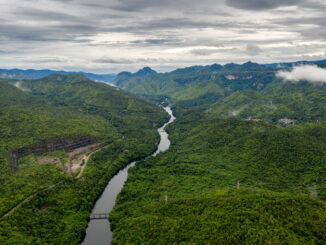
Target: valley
(246, 164)
(243, 162)
(99, 230)
(65, 107)
(163, 122)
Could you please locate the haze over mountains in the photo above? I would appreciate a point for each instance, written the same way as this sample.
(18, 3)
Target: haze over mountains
(35, 74)
(162, 122)
(247, 137)
(247, 161)
(19, 74)
(249, 90)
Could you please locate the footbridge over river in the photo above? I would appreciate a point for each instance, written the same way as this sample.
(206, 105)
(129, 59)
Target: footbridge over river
(99, 216)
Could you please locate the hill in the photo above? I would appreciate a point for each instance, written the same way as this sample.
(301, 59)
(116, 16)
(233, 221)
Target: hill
(198, 86)
(227, 180)
(302, 62)
(18, 74)
(298, 102)
(249, 90)
(42, 122)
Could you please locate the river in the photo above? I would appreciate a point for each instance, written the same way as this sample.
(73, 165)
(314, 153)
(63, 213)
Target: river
(98, 231)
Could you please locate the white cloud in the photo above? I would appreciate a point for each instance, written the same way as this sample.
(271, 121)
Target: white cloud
(310, 73)
(163, 34)
(253, 49)
(19, 85)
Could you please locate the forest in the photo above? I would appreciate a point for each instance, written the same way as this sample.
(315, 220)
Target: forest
(54, 207)
(227, 181)
(162, 122)
(246, 165)
(247, 90)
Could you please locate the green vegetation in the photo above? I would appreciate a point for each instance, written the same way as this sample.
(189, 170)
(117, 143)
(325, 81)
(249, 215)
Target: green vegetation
(53, 207)
(300, 102)
(228, 181)
(199, 86)
(225, 180)
(248, 90)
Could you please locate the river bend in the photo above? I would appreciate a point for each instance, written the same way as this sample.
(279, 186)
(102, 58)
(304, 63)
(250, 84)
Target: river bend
(98, 231)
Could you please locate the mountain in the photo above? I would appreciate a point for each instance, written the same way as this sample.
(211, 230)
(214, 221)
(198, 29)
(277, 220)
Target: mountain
(198, 86)
(300, 102)
(227, 180)
(144, 72)
(249, 90)
(125, 76)
(246, 163)
(296, 63)
(49, 126)
(18, 74)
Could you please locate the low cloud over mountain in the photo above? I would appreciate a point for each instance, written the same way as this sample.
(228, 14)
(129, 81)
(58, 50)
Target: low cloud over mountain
(310, 73)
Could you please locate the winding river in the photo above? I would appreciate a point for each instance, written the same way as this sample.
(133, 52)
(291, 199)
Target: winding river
(98, 231)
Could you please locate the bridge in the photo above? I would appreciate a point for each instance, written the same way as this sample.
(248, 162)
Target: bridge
(99, 216)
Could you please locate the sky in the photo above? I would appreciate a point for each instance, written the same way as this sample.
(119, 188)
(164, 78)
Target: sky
(108, 36)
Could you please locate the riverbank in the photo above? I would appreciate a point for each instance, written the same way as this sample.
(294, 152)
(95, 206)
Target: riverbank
(98, 231)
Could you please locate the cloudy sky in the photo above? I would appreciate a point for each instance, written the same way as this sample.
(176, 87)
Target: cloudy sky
(108, 36)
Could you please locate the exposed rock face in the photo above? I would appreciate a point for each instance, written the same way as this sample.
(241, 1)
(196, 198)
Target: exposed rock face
(286, 122)
(67, 143)
(12, 158)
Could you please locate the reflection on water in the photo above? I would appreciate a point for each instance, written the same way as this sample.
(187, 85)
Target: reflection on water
(98, 231)
(164, 142)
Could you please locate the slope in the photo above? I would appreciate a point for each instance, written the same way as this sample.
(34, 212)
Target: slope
(228, 181)
(301, 102)
(198, 86)
(65, 106)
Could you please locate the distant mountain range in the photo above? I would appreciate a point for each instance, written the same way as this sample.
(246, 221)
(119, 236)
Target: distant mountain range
(36, 74)
(302, 62)
(249, 90)
(122, 76)
(248, 66)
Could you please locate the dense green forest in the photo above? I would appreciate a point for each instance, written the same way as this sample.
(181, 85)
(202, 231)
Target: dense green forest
(228, 181)
(53, 206)
(300, 102)
(246, 166)
(247, 90)
(197, 86)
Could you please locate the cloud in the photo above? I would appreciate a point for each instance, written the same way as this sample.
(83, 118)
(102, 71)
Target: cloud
(137, 5)
(43, 15)
(113, 61)
(261, 4)
(19, 85)
(310, 73)
(253, 49)
(107, 60)
(134, 5)
(156, 41)
(176, 33)
(204, 51)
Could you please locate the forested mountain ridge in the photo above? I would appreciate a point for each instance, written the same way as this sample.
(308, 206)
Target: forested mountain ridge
(227, 180)
(194, 82)
(62, 108)
(234, 174)
(249, 90)
(300, 102)
(19, 74)
(302, 62)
